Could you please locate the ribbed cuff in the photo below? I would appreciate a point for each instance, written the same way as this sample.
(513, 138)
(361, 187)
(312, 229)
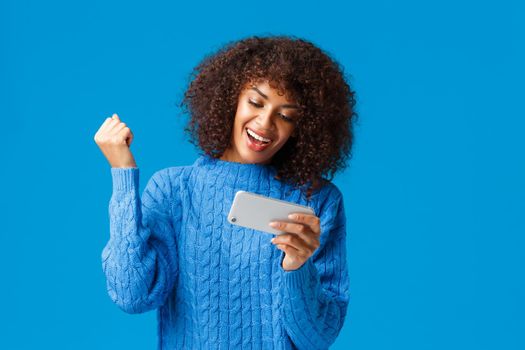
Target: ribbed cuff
(303, 276)
(125, 179)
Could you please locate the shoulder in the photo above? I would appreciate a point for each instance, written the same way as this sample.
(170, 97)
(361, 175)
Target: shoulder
(167, 179)
(329, 203)
(329, 194)
(170, 173)
(334, 193)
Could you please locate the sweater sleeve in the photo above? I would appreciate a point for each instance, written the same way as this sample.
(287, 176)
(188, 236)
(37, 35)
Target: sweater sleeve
(140, 258)
(316, 296)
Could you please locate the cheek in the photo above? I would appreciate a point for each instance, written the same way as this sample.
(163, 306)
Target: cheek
(243, 111)
(287, 131)
(242, 117)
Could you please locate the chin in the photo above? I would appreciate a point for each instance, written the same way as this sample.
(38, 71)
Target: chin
(247, 158)
(251, 155)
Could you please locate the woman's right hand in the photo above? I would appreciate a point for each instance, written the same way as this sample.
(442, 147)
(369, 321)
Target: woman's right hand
(114, 139)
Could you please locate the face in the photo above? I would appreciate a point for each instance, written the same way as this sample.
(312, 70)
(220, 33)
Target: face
(264, 114)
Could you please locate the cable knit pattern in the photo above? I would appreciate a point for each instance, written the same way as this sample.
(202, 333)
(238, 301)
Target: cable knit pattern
(216, 285)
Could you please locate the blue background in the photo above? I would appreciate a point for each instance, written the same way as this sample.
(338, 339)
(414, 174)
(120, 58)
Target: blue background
(434, 193)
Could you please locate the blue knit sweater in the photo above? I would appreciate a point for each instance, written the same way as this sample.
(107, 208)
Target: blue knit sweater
(216, 285)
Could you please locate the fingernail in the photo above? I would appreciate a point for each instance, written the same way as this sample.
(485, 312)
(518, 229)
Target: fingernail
(273, 224)
(272, 240)
(292, 216)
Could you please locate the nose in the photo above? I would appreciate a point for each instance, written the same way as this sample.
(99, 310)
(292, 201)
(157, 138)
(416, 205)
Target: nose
(265, 121)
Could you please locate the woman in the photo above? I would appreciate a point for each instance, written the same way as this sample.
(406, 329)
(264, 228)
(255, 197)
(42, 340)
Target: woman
(272, 115)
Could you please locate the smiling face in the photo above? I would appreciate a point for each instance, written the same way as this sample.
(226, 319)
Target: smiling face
(264, 121)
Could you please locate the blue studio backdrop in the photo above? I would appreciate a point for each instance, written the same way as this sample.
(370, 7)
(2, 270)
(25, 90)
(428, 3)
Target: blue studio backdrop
(434, 193)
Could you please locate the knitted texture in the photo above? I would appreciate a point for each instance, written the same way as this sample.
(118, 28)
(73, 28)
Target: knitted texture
(216, 285)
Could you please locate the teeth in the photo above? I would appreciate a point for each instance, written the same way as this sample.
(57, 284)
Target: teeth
(260, 138)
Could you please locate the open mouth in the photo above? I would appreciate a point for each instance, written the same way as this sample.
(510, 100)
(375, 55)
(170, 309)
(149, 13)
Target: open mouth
(255, 142)
(258, 140)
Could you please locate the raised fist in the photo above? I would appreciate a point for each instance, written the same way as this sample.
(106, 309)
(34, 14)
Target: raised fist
(114, 139)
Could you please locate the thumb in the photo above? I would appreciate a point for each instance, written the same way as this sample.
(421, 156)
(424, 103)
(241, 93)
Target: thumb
(130, 140)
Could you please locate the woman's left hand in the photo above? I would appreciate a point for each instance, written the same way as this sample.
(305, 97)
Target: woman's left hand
(300, 241)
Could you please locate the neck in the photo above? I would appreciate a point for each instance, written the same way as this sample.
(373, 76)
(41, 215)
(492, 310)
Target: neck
(229, 156)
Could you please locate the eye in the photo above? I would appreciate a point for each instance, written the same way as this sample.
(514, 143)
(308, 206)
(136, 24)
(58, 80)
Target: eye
(288, 119)
(284, 117)
(254, 103)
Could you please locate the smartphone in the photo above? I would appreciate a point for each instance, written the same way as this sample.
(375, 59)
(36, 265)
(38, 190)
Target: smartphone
(255, 211)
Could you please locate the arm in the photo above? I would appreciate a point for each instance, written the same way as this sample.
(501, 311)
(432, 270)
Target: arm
(140, 258)
(316, 295)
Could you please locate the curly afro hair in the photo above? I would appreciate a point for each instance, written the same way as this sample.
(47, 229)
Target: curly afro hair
(304, 73)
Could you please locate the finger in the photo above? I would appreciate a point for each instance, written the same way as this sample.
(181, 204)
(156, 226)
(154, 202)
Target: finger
(131, 137)
(294, 241)
(291, 251)
(105, 124)
(124, 132)
(311, 220)
(118, 128)
(109, 120)
(300, 229)
(111, 125)
(309, 245)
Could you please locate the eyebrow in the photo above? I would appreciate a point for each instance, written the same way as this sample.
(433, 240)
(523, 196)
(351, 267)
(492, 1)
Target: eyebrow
(266, 97)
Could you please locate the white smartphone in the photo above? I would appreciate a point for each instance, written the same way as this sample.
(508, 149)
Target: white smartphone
(256, 211)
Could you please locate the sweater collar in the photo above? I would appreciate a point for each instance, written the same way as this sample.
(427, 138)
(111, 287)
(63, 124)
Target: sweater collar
(219, 164)
(258, 178)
